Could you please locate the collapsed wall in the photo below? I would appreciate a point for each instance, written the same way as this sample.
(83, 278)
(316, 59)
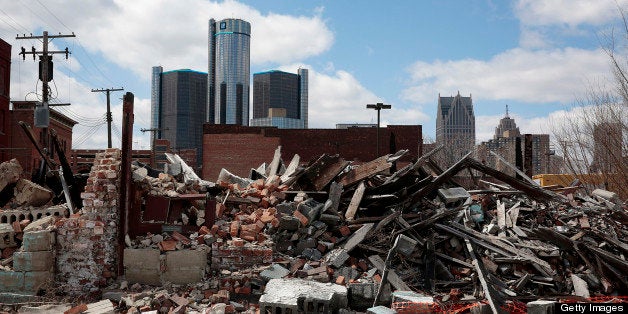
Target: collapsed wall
(87, 243)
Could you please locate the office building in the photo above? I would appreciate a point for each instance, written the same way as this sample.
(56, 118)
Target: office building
(530, 153)
(280, 99)
(180, 99)
(455, 126)
(228, 74)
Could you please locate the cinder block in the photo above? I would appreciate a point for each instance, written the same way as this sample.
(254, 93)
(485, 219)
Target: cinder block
(11, 281)
(142, 266)
(281, 295)
(33, 261)
(36, 280)
(34, 241)
(541, 307)
(186, 266)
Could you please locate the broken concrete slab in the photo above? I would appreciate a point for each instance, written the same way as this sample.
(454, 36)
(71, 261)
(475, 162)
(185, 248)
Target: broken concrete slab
(274, 271)
(28, 193)
(357, 237)
(281, 295)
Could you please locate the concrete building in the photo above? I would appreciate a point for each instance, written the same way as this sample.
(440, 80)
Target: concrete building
(455, 126)
(529, 152)
(240, 148)
(178, 107)
(228, 73)
(5, 85)
(280, 99)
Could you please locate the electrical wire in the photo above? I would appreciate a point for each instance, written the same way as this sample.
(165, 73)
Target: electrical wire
(45, 7)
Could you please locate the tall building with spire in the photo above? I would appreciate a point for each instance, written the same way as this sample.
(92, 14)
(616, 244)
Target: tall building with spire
(529, 152)
(506, 128)
(228, 75)
(455, 126)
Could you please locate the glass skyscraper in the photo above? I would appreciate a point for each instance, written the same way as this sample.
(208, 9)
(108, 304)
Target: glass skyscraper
(155, 101)
(280, 99)
(178, 105)
(228, 72)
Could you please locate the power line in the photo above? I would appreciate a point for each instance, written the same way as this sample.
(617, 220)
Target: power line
(53, 15)
(14, 21)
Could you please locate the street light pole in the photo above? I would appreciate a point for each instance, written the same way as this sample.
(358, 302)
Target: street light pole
(378, 106)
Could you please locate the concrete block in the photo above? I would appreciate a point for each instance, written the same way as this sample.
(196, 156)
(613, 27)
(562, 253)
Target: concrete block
(142, 266)
(28, 193)
(11, 281)
(42, 240)
(274, 271)
(33, 261)
(541, 307)
(312, 254)
(336, 257)
(289, 223)
(36, 280)
(10, 172)
(380, 309)
(362, 295)
(453, 194)
(39, 224)
(357, 237)
(185, 266)
(281, 295)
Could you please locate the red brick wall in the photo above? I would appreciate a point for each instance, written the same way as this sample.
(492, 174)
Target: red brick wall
(240, 148)
(237, 153)
(22, 148)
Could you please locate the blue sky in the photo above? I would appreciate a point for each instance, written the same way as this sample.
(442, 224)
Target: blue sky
(537, 56)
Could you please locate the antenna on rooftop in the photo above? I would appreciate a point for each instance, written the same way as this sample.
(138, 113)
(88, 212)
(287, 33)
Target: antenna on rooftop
(507, 112)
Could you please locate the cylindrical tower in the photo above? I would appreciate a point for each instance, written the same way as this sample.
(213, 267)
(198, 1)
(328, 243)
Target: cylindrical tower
(229, 57)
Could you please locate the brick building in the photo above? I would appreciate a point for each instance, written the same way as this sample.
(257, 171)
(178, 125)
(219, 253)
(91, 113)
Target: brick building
(5, 84)
(239, 148)
(21, 147)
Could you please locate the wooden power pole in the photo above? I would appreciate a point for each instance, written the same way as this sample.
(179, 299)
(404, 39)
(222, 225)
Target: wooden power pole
(45, 72)
(109, 119)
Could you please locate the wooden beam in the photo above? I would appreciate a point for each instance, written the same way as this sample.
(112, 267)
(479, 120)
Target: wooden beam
(355, 201)
(366, 170)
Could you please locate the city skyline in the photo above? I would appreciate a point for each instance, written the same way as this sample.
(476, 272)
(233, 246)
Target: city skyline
(535, 56)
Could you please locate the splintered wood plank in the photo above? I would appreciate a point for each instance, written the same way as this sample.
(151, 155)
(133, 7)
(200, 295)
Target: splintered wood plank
(355, 201)
(366, 170)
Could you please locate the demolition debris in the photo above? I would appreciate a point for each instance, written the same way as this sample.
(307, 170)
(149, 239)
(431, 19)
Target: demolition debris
(324, 237)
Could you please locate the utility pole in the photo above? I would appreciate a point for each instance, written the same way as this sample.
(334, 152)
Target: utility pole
(109, 119)
(152, 145)
(154, 131)
(378, 106)
(45, 72)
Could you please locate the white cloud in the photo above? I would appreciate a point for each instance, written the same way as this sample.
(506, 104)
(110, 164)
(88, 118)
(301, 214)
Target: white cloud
(567, 12)
(138, 36)
(555, 75)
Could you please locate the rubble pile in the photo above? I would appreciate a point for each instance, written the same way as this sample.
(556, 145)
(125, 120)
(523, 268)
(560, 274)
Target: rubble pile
(412, 228)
